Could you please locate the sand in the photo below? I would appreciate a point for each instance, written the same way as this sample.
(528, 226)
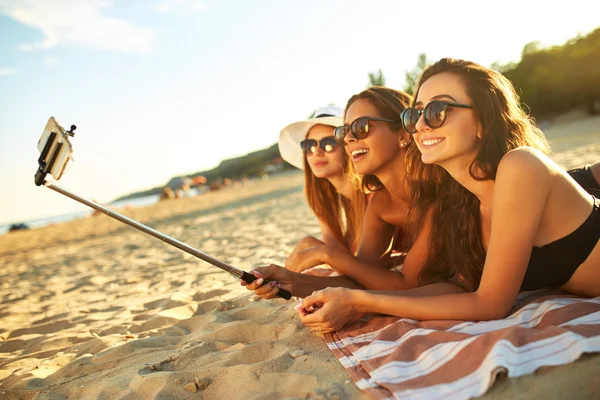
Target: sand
(95, 309)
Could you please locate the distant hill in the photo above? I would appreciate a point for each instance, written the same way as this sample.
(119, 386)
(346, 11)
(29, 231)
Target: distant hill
(251, 165)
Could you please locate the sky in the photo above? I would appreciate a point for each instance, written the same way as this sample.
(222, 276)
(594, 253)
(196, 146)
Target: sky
(159, 88)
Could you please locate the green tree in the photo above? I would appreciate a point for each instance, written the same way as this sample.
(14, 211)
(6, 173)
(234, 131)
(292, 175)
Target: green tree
(502, 68)
(531, 48)
(376, 78)
(556, 79)
(412, 76)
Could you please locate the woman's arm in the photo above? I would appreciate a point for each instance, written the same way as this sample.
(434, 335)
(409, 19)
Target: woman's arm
(375, 277)
(375, 240)
(300, 285)
(335, 307)
(377, 234)
(294, 260)
(366, 269)
(299, 260)
(329, 237)
(521, 189)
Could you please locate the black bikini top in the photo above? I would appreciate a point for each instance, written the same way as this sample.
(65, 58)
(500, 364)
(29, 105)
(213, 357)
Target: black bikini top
(553, 265)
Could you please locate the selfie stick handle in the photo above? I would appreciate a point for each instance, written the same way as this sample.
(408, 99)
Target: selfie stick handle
(173, 242)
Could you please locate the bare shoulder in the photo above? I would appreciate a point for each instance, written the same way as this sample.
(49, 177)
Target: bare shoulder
(525, 176)
(525, 163)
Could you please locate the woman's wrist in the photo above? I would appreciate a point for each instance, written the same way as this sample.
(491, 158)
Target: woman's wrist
(320, 254)
(328, 255)
(324, 253)
(295, 284)
(359, 301)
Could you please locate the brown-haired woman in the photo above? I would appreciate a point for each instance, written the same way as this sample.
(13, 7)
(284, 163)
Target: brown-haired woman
(497, 204)
(378, 144)
(331, 185)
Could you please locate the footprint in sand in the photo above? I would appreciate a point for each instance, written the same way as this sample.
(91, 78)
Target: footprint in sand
(51, 327)
(252, 312)
(258, 353)
(246, 332)
(200, 296)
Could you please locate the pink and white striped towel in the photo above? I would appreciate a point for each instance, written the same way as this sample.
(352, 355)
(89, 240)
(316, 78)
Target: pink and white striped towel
(393, 358)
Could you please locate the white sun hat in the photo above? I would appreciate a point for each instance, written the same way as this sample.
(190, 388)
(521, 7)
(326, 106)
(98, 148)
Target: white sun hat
(291, 136)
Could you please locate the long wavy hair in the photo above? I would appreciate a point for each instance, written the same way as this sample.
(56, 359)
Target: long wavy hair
(389, 103)
(344, 216)
(457, 251)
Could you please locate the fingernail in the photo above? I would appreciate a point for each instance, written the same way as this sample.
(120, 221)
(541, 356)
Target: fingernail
(260, 281)
(273, 283)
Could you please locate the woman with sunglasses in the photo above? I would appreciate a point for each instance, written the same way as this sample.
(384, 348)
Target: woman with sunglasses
(497, 202)
(378, 145)
(331, 185)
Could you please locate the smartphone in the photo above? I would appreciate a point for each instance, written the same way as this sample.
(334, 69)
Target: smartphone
(55, 151)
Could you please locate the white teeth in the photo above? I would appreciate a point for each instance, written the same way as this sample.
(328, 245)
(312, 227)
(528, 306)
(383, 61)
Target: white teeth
(431, 142)
(359, 151)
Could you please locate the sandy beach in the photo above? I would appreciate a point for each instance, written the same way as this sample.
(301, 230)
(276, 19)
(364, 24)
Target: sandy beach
(95, 309)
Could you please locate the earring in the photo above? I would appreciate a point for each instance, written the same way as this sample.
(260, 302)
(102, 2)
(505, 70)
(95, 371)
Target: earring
(403, 145)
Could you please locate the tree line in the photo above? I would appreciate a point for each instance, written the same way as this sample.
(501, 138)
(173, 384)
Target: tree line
(550, 80)
(560, 78)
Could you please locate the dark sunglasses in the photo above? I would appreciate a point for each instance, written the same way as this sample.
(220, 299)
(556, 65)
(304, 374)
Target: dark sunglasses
(327, 144)
(359, 128)
(434, 114)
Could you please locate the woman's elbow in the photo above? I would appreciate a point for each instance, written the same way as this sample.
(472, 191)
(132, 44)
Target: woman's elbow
(397, 281)
(493, 309)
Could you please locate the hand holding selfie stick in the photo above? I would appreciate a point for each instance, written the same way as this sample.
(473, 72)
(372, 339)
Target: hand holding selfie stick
(56, 151)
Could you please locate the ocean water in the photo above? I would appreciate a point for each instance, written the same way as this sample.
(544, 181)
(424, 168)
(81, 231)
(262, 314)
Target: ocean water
(134, 203)
(36, 223)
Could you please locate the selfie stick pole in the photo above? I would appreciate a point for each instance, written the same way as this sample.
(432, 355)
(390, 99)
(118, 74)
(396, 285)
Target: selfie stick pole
(48, 158)
(173, 242)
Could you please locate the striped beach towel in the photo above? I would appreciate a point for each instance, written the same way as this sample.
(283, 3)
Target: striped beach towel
(394, 358)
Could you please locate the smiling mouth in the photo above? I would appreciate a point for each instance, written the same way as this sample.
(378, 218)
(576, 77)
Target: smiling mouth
(431, 142)
(359, 154)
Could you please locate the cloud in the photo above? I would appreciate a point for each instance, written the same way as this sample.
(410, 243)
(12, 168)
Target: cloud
(168, 6)
(81, 23)
(52, 61)
(7, 71)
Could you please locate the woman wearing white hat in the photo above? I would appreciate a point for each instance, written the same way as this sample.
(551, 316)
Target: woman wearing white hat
(377, 143)
(332, 187)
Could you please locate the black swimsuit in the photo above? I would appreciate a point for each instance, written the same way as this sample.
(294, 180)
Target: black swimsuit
(554, 264)
(586, 180)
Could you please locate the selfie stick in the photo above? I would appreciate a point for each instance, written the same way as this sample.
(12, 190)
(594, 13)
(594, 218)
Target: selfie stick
(46, 162)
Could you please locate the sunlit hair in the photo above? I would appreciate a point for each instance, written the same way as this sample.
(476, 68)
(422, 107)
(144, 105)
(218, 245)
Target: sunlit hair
(342, 215)
(456, 251)
(389, 104)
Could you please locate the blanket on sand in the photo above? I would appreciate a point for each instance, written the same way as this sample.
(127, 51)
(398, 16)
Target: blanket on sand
(399, 358)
